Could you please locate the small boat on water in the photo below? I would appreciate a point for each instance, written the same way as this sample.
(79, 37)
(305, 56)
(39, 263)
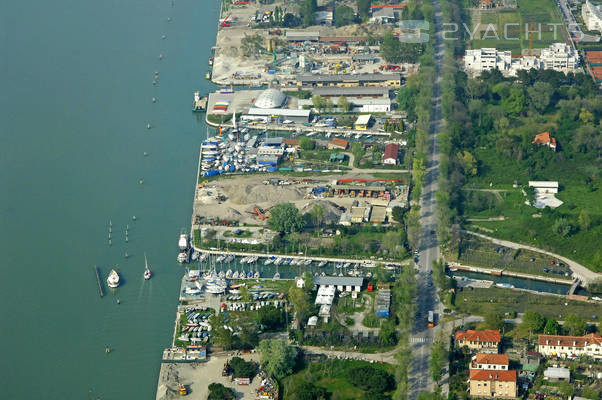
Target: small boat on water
(256, 275)
(113, 279)
(182, 257)
(229, 274)
(308, 262)
(203, 257)
(277, 275)
(195, 255)
(147, 271)
(322, 263)
(235, 275)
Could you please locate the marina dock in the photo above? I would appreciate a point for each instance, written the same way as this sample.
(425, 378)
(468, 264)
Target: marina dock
(98, 281)
(364, 262)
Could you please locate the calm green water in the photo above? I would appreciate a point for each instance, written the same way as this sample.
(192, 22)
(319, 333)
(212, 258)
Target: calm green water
(76, 98)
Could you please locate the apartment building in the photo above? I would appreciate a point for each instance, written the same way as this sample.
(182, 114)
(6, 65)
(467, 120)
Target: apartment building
(559, 57)
(570, 346)
(592, 16)
(493, 384)
(485, 341)
(489, 361)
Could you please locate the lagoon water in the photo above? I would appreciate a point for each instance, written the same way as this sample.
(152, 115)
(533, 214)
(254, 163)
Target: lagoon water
(76, 98)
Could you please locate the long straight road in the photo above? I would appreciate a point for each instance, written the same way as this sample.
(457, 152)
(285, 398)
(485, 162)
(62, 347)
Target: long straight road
(419, 376)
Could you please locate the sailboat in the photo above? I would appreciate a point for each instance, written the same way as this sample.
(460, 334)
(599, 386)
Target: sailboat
(277, 274)
(113, 279)
(147, 271)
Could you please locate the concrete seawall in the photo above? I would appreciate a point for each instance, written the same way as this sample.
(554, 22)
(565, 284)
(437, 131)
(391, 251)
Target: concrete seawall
(501, 272)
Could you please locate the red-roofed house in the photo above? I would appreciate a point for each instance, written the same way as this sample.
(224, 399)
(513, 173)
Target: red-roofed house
(485, 341)
(291, 142)
(497, 362)
(337, 143)
(495, 384)
(391, 153)
(570, 346)
(545, 139)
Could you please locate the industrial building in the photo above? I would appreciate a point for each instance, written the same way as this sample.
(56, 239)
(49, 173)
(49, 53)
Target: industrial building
(383, 303)
(363, 122)
(356, 92)
(270, 98)
(341, 283)
(298, 116)
(350, 80)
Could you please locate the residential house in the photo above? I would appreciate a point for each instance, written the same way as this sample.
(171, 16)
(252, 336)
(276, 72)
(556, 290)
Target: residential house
(489, 361)
(545, 139)
(391, 154)
(485, 341)
(493, 384)
(557, 374)
(337, 143)
(570, 346)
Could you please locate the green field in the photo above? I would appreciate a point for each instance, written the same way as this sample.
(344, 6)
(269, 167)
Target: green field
(533, 12)
(332, 376)
(519, 224)
(481, 301)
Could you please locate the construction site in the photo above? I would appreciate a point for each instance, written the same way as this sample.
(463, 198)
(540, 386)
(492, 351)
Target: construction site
(267, 54)
(245, 200)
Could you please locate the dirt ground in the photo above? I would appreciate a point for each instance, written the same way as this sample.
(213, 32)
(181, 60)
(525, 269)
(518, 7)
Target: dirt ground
(234, 198)
(197, 378)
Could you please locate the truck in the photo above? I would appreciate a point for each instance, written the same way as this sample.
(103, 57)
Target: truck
(431, 319)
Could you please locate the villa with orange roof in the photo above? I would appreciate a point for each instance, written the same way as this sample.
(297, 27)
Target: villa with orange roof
(545, 139)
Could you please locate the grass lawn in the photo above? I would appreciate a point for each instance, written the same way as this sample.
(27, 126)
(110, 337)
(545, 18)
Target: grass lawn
(478, 252)
(519, 225)
(534, 12)
(332, 375)
(481, 301)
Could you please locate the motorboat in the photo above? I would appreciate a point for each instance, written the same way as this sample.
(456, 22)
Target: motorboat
(229, 274)
(235, 275)
(183, 241)
(256, 275)
(195, 255)
(203, 257)
(221, 258)
(147, 271)
(308, 262)
(113, 279)
(278, 261)
(322, 263)
(221, 275)
(242, 274)
(269, 260)
(277, 275)
(182, 257)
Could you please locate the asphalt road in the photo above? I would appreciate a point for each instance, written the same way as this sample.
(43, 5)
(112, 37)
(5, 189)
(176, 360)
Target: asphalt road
(422, 336)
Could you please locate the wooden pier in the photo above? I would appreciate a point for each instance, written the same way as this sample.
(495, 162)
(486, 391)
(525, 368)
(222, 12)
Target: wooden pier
(97, 272)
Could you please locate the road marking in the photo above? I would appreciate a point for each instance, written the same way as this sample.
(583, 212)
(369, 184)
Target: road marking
(420, 340)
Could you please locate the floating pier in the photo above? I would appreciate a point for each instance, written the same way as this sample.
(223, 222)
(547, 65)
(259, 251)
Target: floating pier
(97, 272)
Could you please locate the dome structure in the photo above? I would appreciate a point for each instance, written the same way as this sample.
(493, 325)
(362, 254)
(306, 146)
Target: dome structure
(270, 98)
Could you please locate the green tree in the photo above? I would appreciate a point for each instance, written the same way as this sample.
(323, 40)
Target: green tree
(566, 389)
(308, 12)
(285, 217)
(217, 391)
(306, 143)
(329, 105)
(574, 325)
(370, 378)
(533, 321)
(387, 334)
(540, 95)
(317, 214)
(305, 390)
(398, 214)
(363, 8)
(270, 317)
(515, 103)
(243, 291)
(469, 163)
(343, 104)
(562, 227)
(290, 21)
(319, 102)
(551, 327)
(222, 337)
(301, 303)
(494, 320)
(584, 220)
(437, 361)
(277, 358)
(390, 48)
(344, 15)
(242, 368)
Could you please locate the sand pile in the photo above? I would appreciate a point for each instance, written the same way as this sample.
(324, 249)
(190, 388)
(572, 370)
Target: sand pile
(245, 194)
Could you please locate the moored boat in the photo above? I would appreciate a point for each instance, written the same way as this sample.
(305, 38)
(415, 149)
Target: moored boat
(113, 279)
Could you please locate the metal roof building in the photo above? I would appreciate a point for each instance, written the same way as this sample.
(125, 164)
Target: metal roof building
(283, 113)
(302, 36)
(346, 283)
(392, 79)
(359, 91)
